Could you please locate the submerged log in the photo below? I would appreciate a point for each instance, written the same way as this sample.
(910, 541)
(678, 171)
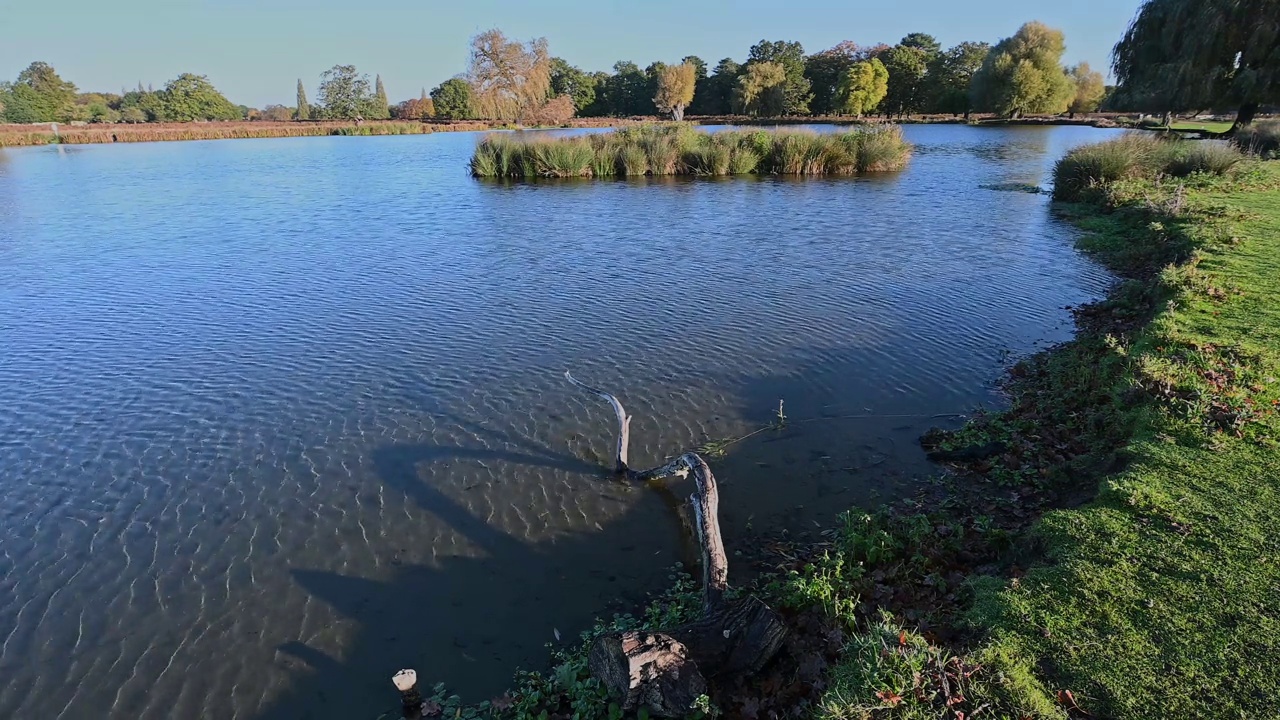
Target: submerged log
(666, 671)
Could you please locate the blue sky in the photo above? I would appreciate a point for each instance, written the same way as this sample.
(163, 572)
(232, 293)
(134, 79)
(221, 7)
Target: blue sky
(255, 50)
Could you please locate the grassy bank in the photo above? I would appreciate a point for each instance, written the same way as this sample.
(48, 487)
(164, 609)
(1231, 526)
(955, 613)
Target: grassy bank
(682, 150)
(1149, 587)
(1210, 126)
(1106, 547)
(1162, 597)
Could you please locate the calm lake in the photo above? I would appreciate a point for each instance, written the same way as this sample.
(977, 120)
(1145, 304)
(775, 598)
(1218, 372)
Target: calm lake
(280, 417)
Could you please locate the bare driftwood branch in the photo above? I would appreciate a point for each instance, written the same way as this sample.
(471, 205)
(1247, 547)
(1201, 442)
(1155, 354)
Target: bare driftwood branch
(665, 671)
(677, 467)
(624, 423)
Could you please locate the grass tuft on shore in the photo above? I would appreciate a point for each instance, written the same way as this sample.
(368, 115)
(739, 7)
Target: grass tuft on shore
(677, 149)
(1091, 168)
(1261, 138)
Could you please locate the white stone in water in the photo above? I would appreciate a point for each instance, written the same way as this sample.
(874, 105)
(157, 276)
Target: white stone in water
(405, 680)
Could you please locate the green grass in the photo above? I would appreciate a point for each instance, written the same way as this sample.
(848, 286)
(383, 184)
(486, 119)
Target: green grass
(1161, 598)
(890, 672)
(676, 149)
(1213, 127)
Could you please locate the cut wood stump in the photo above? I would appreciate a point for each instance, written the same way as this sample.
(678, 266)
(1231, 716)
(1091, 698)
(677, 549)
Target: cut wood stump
(649, 670)
(666, 671)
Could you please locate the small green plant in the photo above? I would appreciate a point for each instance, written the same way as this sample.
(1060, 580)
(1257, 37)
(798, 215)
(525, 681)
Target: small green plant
(703, 709)
(888, 671)
(828, 584)
(718, 448)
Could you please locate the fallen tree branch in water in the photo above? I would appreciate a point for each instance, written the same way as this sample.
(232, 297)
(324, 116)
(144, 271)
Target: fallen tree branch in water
(666, 671)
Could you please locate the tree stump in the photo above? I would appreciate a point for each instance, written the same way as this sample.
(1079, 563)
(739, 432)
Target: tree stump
(650, 670)
(666, 671)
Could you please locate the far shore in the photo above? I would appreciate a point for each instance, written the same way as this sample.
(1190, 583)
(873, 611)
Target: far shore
(48, 134)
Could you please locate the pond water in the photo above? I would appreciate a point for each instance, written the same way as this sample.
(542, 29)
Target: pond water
(280, 417)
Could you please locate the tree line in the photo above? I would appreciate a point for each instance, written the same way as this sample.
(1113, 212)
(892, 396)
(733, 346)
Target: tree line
(40, 95)
(1177, 55)
(508, 80)
(1021, 74)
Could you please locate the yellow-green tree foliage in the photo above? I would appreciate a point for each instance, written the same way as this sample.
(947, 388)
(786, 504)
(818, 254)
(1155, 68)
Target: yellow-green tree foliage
(762, 89)
(1023, 74)
(675, 89)
(1091, 87)
(508, 78)
(862, 87)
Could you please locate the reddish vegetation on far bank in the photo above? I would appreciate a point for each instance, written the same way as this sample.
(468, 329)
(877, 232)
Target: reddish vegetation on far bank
(42, 134)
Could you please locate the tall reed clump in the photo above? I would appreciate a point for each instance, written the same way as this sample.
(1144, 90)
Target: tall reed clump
(1261, 138)
(677, 149)
(1138, 155)
(882, 149)
(1214, 157)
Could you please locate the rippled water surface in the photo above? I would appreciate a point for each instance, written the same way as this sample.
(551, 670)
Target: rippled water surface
(279, 417)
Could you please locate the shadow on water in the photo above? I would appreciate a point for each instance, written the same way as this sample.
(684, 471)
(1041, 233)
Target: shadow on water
(456, 620)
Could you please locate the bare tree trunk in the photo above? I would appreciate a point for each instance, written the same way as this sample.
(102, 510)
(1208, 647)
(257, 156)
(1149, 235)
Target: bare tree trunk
(665, 671)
